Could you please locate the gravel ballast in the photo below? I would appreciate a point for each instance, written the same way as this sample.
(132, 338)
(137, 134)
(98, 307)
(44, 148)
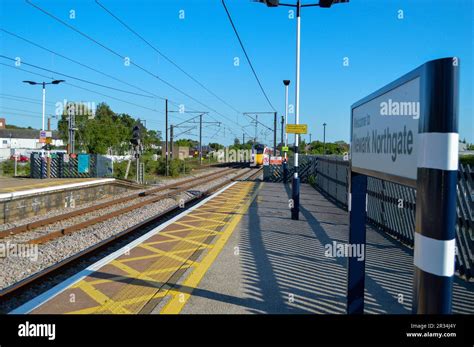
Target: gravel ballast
(36, 258)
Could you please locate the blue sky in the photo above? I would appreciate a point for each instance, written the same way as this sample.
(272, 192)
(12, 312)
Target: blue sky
(380, 47)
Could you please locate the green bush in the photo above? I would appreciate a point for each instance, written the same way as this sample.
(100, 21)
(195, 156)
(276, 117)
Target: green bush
(120, 168)
(175, 167)
(152, 168)
(467, 159)
(24, 169)
(312, 180)
(8, 167)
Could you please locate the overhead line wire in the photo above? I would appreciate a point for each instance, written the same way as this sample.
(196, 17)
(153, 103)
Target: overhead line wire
(246, 55)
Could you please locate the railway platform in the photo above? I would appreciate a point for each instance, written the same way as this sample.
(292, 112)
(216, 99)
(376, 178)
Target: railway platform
(26, 197)
(238, 251)
(14, 186)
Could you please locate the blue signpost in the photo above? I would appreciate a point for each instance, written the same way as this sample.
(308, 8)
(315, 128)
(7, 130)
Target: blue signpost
(407, 132)
(83, 163)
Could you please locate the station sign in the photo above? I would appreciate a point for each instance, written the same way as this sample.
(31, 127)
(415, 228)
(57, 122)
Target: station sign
(384, 139)
(297, 128)
(407, 132)
(42, 137)
(49, 137)
(83, 161)
(276, 160)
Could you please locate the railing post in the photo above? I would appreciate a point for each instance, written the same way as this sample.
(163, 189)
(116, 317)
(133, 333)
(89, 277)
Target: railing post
(357, 237)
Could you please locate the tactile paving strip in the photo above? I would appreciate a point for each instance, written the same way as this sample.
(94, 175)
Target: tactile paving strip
(137, 280)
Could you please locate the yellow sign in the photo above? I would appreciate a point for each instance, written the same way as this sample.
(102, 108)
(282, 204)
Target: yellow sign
(297, 128)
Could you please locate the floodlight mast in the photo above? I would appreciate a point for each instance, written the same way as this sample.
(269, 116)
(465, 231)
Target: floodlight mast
(323, 4)
(44, 93)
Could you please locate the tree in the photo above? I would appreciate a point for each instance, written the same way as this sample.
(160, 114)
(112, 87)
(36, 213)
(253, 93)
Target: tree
(106, 132)
(338, 147)
(187, 143)
(216, 146)
(11, 126)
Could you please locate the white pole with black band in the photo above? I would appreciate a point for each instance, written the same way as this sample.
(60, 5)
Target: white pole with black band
(434, 253)
(295, 190)
(407, 133)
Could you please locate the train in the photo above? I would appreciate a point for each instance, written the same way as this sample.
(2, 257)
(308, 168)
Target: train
(258, 151)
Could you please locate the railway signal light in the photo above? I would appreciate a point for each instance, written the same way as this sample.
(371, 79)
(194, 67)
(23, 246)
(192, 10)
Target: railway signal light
(328, 3)
(135, 140)
(270, 3)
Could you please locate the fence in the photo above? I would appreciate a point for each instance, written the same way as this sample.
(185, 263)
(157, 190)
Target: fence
(306, 166)
(63, 166)
(391, 206)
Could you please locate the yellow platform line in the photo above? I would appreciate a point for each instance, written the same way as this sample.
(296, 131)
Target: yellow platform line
(210, 225)
(191, 241)
(134, 294)
(97, 309)
(174, 238)
(97, 295)
(196, 228)
(148, 273)
(215, 219)
(160, 253)
(179, 299)
(116, 304)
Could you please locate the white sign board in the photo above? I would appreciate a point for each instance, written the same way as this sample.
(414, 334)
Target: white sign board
(266, 160)
(385, 132)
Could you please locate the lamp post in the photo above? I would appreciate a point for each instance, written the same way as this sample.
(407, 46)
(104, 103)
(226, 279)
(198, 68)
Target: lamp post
(43, 84)
(324, 4)
(324, 138)
(286, 83)
(44, 93)
(285, 162)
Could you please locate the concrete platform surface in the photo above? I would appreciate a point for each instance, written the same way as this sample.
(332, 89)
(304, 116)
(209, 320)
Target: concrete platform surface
(272, 264)
(239, 252)
(18, 184)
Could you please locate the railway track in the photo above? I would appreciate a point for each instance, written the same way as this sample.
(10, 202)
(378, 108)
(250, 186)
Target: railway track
(255, 175)
(36, 278)
(136, 200)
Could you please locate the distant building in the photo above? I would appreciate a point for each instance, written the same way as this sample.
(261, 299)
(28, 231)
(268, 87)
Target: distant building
(23, 141)
(25, 138)
(463, 149)
(179, 152)
(3, 123)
